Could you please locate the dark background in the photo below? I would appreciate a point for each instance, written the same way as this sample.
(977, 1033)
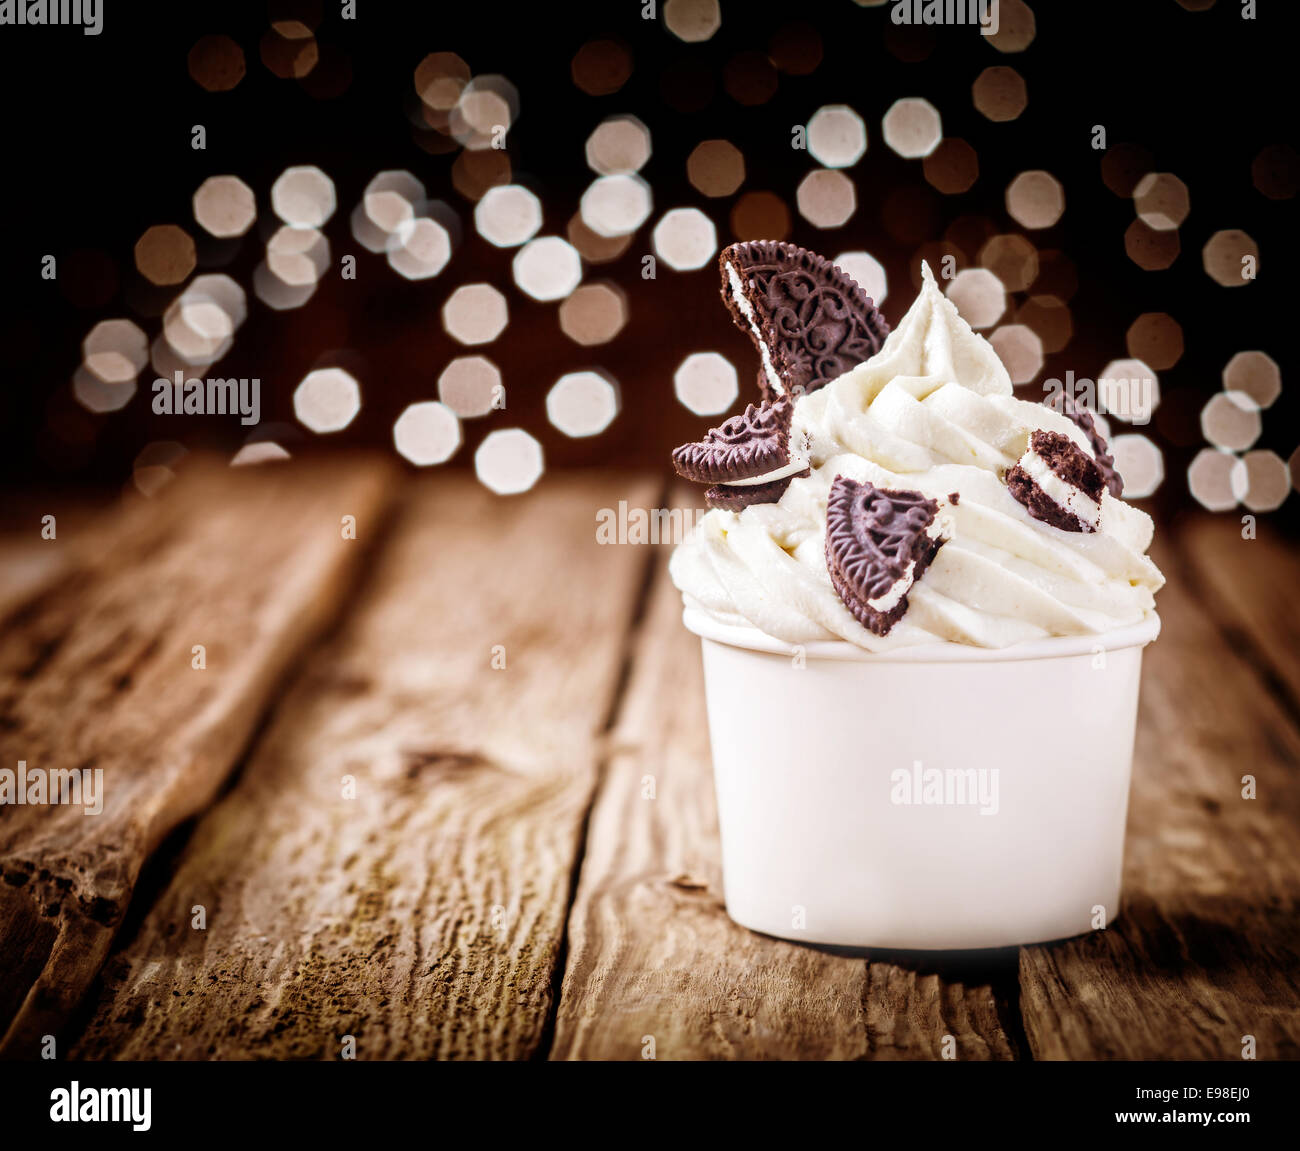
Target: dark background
(97, 143)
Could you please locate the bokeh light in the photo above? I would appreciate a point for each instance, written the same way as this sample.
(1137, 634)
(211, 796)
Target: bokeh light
(706, 383)
(912, 128)
(153, 467)
(298, 256)
(796, 48)
(327, 400)
(1209, 479)
(999, 93)
(979, 297)
(474, 173)
(760, 216)
(225, 206)
(439, 80)
(216, 63)
(508, 216)
(548, 268)
(258, 452)
(198, 328)
(1150, 250)
(750, 78)
(471, 386)
(685, 239)
(115, 351)
(391, 199)
(826, 198)
(594, 314)
(1231, 421)
(837, 136)
(509, 461)
(1155, 338)
(96, 396)
(1140, 463)
(1049, 317)
(867, 272)
(716, 167)
(303, 197)
(1016, 27)
(475, 314)
(1261, 480)
(693, 21)
(1231, 258)
(1012, 258)
(582, 404)
(1276, 172)
(953, 167)
(419, 249)
(289, 50)
(427, 433)
(164, 254)
(1128, 389)
(1020, 350)
(484, 113)
(593, 248)
(618, 145)
(616, 205)
(601, 67)
(1254, 374)
(1035, 199)
(1161, 201)
(1123, 166)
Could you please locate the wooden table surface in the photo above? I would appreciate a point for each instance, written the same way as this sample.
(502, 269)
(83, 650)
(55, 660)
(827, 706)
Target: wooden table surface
(402, 800)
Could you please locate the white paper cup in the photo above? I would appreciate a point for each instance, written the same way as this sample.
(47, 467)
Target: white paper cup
(1014, 833)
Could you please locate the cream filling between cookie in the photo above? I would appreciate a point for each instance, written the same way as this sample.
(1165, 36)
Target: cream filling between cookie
(1059, 492)
(891, 599)
(747, 310)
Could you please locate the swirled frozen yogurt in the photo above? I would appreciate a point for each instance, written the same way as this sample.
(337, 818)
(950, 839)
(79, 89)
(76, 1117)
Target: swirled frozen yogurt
(900, 494)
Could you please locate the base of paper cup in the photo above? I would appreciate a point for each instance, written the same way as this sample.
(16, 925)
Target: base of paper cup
(827, 835)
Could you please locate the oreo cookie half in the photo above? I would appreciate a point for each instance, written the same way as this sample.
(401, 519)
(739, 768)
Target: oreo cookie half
(1084, 420)
(879, 541)
(809, 319)
(748, 459)
(1058, 483)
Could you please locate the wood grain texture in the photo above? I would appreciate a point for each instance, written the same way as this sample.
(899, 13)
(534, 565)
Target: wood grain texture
(653, 954)
(96, 674)
(1207, 945)
(1251, 587)
(425, 916)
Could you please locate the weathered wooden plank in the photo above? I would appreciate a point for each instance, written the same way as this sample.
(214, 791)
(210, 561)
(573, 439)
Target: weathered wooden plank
(652, 953)
(1207, 945)
(423, 916)
(1250, 586)
(97, 675)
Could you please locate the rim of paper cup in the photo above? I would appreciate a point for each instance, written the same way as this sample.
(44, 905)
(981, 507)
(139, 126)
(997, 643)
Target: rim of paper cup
(941, 651)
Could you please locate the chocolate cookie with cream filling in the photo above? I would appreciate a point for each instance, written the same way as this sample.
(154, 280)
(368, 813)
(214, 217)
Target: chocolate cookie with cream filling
(749, 459)
(1058, 483)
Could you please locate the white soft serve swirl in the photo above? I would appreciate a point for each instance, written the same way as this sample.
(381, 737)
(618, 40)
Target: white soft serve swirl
(932, 411)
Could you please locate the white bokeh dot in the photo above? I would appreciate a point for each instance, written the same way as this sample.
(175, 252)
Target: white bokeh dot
(303, 197)
(327, 400)
(706, 383)
(912, 127)
(419, 249)
(837, 136)
(582, 404)
(685, 239)
(475, 314)
(548, 268)
(1231, 420)
(616, 205)
(508, 215)
(427, 433)
(1209, 479)
(471, 386)
(509, 461)
(867, 271)
(1139, 463)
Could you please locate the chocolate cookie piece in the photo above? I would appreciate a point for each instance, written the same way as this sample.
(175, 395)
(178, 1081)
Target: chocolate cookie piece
(879, 541)
(1058, 483)
(745, 446)
(1083, 419)
(808, 319)
(735, 498)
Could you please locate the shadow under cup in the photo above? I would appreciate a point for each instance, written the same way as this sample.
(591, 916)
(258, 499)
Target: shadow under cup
(935, 797)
